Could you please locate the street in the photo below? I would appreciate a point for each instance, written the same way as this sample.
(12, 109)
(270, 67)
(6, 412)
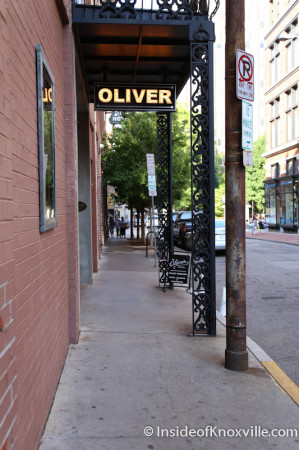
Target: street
(272, 300)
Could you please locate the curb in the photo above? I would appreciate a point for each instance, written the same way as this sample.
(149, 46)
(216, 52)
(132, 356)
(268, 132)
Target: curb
(281, 378)
(270, 240)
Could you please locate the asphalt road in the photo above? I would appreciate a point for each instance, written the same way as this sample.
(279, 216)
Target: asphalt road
(272, 300)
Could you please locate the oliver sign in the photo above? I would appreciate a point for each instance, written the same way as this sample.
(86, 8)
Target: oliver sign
(134, 97)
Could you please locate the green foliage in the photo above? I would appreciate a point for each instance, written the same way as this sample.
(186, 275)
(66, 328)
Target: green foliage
(219, 181)
(255, 176)
(181, 155)
(125, 156)
(219, 169)
(184, 203)
(219, 195)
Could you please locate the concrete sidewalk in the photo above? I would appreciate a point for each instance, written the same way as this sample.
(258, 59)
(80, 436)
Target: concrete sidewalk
(137, 371)
(274, 236)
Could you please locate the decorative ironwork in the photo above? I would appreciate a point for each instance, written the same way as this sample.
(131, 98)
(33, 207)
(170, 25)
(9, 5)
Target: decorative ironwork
(215, 9)
(159, 9)
(202, 167)
(175, 9)
(122, 9)
(163, 197)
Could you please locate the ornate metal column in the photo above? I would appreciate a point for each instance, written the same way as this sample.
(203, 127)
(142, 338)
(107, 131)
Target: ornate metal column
(202, 176)
(164, 194)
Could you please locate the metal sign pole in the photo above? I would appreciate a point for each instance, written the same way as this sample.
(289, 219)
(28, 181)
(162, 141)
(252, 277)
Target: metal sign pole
(154, 228)
(236, 354)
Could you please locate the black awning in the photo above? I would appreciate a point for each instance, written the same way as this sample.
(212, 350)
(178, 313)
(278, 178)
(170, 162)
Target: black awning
(119, 43)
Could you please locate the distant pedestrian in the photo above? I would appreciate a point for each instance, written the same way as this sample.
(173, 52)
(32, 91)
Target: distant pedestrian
(117, 226)
(122, 226)
(253, 225)
(111, 226)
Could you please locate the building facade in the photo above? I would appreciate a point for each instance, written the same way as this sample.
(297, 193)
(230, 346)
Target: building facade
(49, 142)
(282, 127)
(53, 210)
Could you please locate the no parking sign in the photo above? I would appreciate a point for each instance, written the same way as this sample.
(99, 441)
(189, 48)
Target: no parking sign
(245, 76)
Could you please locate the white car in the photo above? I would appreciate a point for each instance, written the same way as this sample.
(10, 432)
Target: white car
(155, 221)
(220, 243)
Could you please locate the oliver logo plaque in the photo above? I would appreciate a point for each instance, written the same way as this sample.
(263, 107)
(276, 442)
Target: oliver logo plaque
(179, 269)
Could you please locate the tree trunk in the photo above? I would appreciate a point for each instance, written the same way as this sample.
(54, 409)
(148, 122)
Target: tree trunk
(132, 224)
(138, 234)
(142, 227)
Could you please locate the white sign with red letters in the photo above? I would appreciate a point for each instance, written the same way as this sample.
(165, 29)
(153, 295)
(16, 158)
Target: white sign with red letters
(244, 76)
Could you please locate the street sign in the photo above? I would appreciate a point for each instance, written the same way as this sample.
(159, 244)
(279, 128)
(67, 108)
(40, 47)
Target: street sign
(110, 201)
(247, 158)
(150, 162)
(244, 76)
(247, 126)
(115, 118)
(151, 174)
(151, 182)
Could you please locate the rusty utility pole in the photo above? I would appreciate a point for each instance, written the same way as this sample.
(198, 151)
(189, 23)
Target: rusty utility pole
(236, 355)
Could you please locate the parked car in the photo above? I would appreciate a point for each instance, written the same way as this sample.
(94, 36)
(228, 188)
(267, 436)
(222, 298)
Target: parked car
(154, 219)
(220, 242)
(174, 215)
(182, 227)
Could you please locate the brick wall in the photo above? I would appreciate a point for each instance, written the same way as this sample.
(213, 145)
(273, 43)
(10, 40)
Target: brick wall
(97, 200)
(101, 190)
(71, 186)
(8, 407)
(39, 297)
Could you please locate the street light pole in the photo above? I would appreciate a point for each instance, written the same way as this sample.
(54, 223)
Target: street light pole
(236, 355)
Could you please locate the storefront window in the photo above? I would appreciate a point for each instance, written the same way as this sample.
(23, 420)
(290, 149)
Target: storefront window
(286, 203)
(296, 203)
(270, 203)
(46, 142)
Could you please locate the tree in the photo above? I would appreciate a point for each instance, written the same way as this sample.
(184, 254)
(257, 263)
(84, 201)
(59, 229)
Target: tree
(125, 161)
(125, 156)
(255, 176)
(219, 168)
(219, 196)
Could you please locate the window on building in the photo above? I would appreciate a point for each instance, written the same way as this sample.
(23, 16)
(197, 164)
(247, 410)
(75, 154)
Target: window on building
(280, 8)
(292, 46)
(292, 114)
(46, 142)
(275, 172)
(270, 203)
(275, 62)
(286, 203)
(275, 122)
(271, 6)
(291, 166)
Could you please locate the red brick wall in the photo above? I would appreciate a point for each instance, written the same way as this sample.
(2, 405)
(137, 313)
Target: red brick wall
(101, 199)
(97, 129)
(38, 271)
(8, 410)
(94, 205)
(71, 186)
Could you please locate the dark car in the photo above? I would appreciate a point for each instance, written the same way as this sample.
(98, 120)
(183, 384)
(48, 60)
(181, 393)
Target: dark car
(181, 226)
(220, 242)
(174, 215)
